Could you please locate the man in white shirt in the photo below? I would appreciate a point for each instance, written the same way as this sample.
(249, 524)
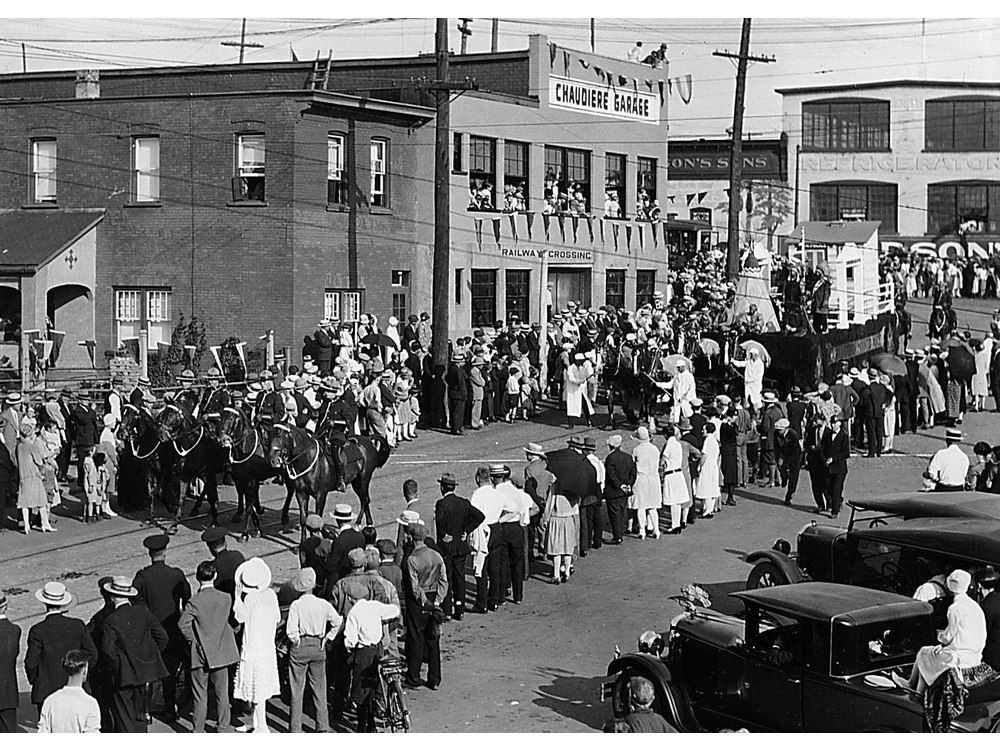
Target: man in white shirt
(71, 710)
(486, 540)
(514, 518)
(753, 377)
(363, 641)
(948, 467)
(683, 392)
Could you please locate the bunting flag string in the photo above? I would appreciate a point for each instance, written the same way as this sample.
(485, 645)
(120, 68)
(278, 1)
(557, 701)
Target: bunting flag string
(635, 86)
(622, 80)
(479, 233)
(546, 219)
(530, 220)
(649, 84)
(600, 73)
(513, 226)
(496, 231)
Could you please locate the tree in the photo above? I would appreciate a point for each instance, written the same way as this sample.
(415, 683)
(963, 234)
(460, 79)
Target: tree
(770, 205)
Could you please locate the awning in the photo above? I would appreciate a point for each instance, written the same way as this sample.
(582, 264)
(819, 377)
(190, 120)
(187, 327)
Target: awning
(834, 232)
(30, 238)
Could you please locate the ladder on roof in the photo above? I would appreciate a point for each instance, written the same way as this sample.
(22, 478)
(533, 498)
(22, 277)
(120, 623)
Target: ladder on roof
(320, 75)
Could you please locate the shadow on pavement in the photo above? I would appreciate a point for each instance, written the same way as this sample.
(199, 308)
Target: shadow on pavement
(572, 696)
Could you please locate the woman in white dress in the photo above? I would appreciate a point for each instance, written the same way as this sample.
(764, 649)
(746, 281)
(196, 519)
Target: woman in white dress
(646, 497)
(980, 384)
(706, 486)
(675, 489)
(256, 608)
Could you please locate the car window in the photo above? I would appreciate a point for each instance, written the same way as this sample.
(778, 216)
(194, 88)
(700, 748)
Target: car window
(862, 649)
(877, 566)
(778, 643)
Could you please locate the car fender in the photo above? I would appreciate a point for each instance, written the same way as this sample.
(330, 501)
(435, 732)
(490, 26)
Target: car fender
(785, 564)
(671, 695)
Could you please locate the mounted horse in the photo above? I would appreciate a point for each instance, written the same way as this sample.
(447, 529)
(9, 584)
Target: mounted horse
(635, 393)
(191, 453)
(140, 470)
(247, 448)
(309, 464)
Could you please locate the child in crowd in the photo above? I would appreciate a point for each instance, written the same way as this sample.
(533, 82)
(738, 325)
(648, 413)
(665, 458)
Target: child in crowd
(513, 393)
(92, 506)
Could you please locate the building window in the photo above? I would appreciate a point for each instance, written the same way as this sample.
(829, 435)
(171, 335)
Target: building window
(249, 182)
(136, 309)
(614, 186)
(567, 181)
(336, 178)
(146, 169)
(846, 125)
(456, 153)
(645, 285)
(482, 173)
(484, 297)
(43, 171)
(614, 287)
(963, 207)
(517, 295)
(515, 176)
(400, 283)
(458, 286)
(962, 125)
(380, 170)
(646, 206)
(852, 201)
(331, 305)
(342, 304)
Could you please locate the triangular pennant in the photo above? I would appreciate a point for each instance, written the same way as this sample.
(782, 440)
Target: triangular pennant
(690, 197)
(479, 233)
(614, 233)
(590, 227)
(670, 86)
(566, 63)
(628, 236)
(684, 87)
(545, 224)
(218, 360)
(92, 348)
(562, 226)
(665, 243)
(552, 54)
(43, 349)
(600, 72)
(131, 346)
(635, 85)
(530, 220)
(649, 84)
(584, 63)
(701, 196)
(622, 80)
(653, 232)
(671, 198)
(576, 224)
(602, 231)
(513, 226)
(243, 357)
(57, 341)
(660, 85)
(642, 236)
(496, 230)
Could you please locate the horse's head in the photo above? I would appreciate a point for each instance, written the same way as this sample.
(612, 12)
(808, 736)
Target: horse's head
(230, 426)
(280, 445)
(175, 420)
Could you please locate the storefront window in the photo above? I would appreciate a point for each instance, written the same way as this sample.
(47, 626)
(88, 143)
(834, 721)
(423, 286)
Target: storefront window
(515, 176)
(845, 125)
(645, 286)
(484, 297)
(614, 287)
(963, 207)
(871, 201)
(482, 173)
(614, 186)
(567, 181)
(517, 295)
(962, 125)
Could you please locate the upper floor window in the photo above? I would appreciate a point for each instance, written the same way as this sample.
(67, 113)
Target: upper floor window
(456, 153)
(858, 125)
(963, 207)
(515, 176)
(336, 182)
(482, 173)
(380, 171)
(962, 125)
(146, 169)
(614, 186)
(646, 206)
(43, 171)
(871, 201)
(567, 181)
(249, 182)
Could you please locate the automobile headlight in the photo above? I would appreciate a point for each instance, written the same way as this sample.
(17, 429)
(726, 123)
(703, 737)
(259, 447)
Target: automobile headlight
(651, 642)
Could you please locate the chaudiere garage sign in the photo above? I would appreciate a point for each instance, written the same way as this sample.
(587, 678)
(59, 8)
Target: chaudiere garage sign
(622, 103)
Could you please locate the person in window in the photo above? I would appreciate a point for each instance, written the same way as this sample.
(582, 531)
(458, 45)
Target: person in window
(612, 209)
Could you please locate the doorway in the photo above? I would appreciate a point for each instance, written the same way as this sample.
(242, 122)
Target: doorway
(570, 284)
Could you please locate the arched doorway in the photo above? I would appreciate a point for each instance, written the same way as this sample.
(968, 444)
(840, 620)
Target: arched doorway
(70, 309)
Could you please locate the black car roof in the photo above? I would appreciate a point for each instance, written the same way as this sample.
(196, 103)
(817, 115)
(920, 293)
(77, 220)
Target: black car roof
(934, 505)
(969, 538)
(851, 605)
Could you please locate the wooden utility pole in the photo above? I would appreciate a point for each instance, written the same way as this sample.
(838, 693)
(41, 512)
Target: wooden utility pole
(593, 34)
(736, 148)
(495, 35)
(466, 33)
(24, 58)
(242, 43)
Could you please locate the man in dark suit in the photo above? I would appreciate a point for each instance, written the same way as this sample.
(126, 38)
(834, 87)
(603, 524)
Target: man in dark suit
(815, 461)
(788, 453)
(876, 424)
(86, 432)
(532, 342)
(836, 451)
(324, 347)
(10, 648)
(164, 590)
(132, 642)
(619, 476)
(458, 393)
(795, 410)
(988, 582)
(205, 625)
(348, 538)
(455, 518)
(226, 560)
(100, 678)
(51, 639)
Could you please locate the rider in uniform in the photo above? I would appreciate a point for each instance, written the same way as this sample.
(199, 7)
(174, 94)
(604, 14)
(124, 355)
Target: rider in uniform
(304, 410)
(135, 396)
(215, 397)
(333, 424)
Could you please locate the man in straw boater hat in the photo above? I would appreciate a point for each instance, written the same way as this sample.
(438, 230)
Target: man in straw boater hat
(51, 639)
(131, 643)
(455, 519)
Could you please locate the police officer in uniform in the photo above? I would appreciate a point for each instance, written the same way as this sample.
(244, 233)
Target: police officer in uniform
(164, 590)
(226, 560)
(332, 425)
(135, 396)
(456, 518)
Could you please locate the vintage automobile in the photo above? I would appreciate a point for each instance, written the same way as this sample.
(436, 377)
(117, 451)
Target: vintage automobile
(814, 657)
(891, 544)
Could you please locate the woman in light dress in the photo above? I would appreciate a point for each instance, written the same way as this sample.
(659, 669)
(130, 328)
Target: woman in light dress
(256, 608)
(646, 497)
(31, 495)
(561, 522)
(675, 489)
(706, 486)
(980, 384)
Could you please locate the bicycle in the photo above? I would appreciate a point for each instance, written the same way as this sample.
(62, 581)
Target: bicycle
(395, 716)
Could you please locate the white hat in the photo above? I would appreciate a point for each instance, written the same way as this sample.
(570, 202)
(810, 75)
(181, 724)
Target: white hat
(254, 574)
(54, 594)
(393, 320)
(109, 420)
(958, 581)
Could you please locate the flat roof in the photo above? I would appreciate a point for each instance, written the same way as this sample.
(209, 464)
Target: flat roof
(835, 601)
(899, 83)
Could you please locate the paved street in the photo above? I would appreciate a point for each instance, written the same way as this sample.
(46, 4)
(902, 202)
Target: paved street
(533, 667)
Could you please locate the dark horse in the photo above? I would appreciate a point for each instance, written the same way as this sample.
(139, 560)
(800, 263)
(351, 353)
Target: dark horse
(190, 453)
(636, 393)
(139, 470)
(248, 464)
(309, 465)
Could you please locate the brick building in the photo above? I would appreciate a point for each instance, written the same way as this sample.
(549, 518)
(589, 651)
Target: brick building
(271, 195)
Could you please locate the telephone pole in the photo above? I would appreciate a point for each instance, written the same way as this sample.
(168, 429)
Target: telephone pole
(242, 43)
(466, 33)
(495, 35)
(736, 147)
(441, 297)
